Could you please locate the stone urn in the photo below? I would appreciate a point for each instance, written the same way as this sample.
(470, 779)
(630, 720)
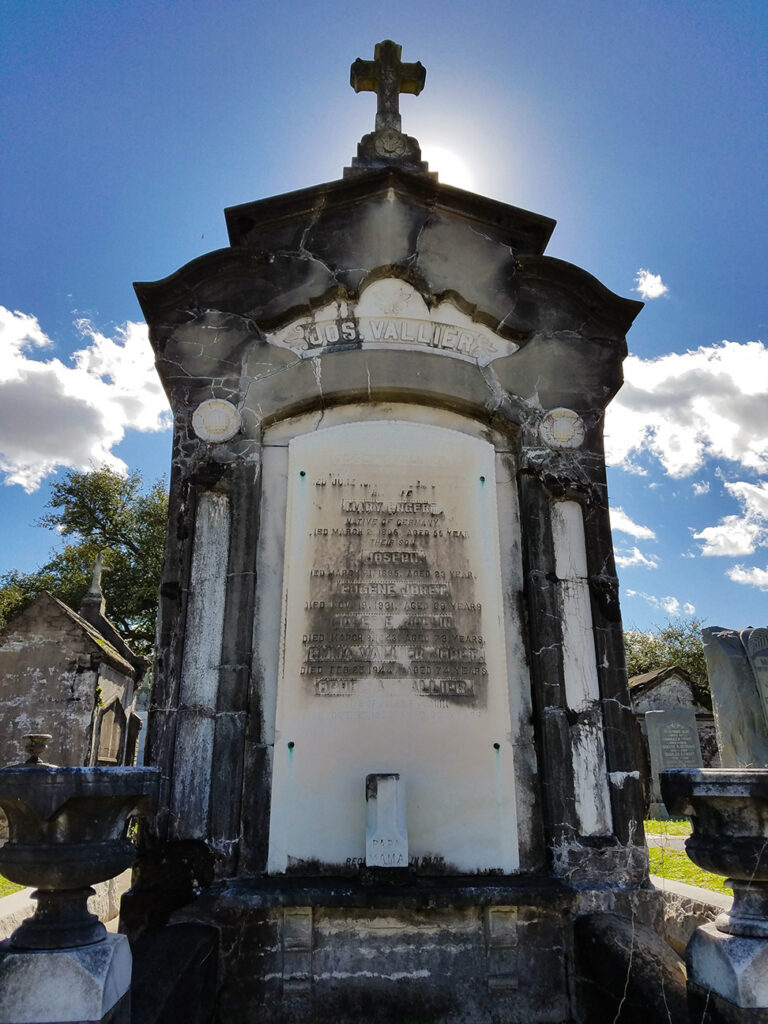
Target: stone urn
(729, 812)
(68, 830)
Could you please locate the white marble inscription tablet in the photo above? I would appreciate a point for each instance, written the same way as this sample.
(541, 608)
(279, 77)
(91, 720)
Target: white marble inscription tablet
(393, 654)
(386, 834)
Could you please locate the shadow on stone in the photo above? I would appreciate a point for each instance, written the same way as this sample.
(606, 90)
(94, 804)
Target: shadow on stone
(174, 975)
(165, 879)
(627, 973)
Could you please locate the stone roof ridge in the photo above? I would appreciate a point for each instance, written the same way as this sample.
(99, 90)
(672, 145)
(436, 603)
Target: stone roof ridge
(658, 675)
(105, 646)
(93, 608)
(644, 683)
(109, 631)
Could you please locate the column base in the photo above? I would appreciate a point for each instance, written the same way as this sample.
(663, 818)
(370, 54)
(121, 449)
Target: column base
(85, 984)
(731, 967)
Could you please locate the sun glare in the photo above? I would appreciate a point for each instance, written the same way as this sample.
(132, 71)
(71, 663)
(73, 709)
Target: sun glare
(451, 169)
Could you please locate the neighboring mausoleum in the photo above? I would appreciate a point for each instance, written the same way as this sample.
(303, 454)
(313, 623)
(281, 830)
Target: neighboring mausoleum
(672, 692)
(391, 705)
(72, 675)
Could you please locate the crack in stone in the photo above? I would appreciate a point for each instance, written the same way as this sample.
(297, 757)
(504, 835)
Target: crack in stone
(414, 257)
(629, 971)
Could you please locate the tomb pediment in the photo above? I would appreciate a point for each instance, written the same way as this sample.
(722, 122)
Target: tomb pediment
(330, 205)
(295, 257)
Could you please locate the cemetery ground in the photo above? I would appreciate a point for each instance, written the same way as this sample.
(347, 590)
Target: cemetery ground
(668, 859)
(7, 888)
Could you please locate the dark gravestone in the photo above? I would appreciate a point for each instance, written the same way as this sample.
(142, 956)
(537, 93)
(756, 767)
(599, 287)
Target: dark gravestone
(673, 742)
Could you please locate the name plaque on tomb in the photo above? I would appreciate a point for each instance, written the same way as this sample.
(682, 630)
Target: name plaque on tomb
(391, 314)
(393, 656)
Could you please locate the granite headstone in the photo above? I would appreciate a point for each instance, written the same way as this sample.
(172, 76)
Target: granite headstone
(737, 699)
(673, 742)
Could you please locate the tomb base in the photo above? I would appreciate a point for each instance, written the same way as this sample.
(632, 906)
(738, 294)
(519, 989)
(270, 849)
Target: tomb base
(337, 950)
(84, 984)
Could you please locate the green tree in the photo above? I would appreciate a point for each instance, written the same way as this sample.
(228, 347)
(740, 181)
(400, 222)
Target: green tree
(678, 643)
(101, 511)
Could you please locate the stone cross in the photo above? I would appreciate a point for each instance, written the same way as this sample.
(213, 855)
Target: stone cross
(98, 569)
(387, 76)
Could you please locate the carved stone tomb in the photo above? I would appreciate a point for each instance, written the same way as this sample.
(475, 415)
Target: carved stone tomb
(389, 609)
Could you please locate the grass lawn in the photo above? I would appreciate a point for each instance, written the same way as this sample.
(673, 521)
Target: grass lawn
(6, 887)
(673, 827)
(675, 865)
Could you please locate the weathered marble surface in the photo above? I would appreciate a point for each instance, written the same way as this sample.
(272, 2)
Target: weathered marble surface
(391, 305)
(734, 967)
(387, 253)
(740, 715)
(393, 655)
(65, 984)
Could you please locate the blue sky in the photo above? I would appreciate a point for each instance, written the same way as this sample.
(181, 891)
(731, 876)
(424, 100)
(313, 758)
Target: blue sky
(640, 127)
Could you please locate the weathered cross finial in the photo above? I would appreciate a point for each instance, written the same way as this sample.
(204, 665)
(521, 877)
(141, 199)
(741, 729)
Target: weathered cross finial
(386, 145)
(98, 569)
(93, 604)
(387, 76)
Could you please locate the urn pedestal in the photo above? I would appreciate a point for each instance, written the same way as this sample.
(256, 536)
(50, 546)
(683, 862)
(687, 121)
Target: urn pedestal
(728, 960)
(67, 830)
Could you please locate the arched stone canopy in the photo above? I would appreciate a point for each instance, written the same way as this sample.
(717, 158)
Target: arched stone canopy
(295, 253)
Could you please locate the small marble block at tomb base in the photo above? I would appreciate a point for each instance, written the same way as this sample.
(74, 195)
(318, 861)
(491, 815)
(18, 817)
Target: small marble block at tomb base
(386, 835)
(63, 985)
(216, 420)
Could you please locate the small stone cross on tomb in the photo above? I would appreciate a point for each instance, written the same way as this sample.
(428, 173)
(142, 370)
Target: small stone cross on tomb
(387, 76)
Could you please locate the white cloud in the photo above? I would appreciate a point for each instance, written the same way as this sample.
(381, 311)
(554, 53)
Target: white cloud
(650, 285)
(670, 605)
(701, 487)
(684, 409)
(635, 557)
(754, 577)
(732, 536)
(621, 522)
(53, 414)
(754, 498)
(739, 535)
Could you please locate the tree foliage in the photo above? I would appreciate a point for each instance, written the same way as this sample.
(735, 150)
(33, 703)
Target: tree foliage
(678, 643)
(101, 511)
